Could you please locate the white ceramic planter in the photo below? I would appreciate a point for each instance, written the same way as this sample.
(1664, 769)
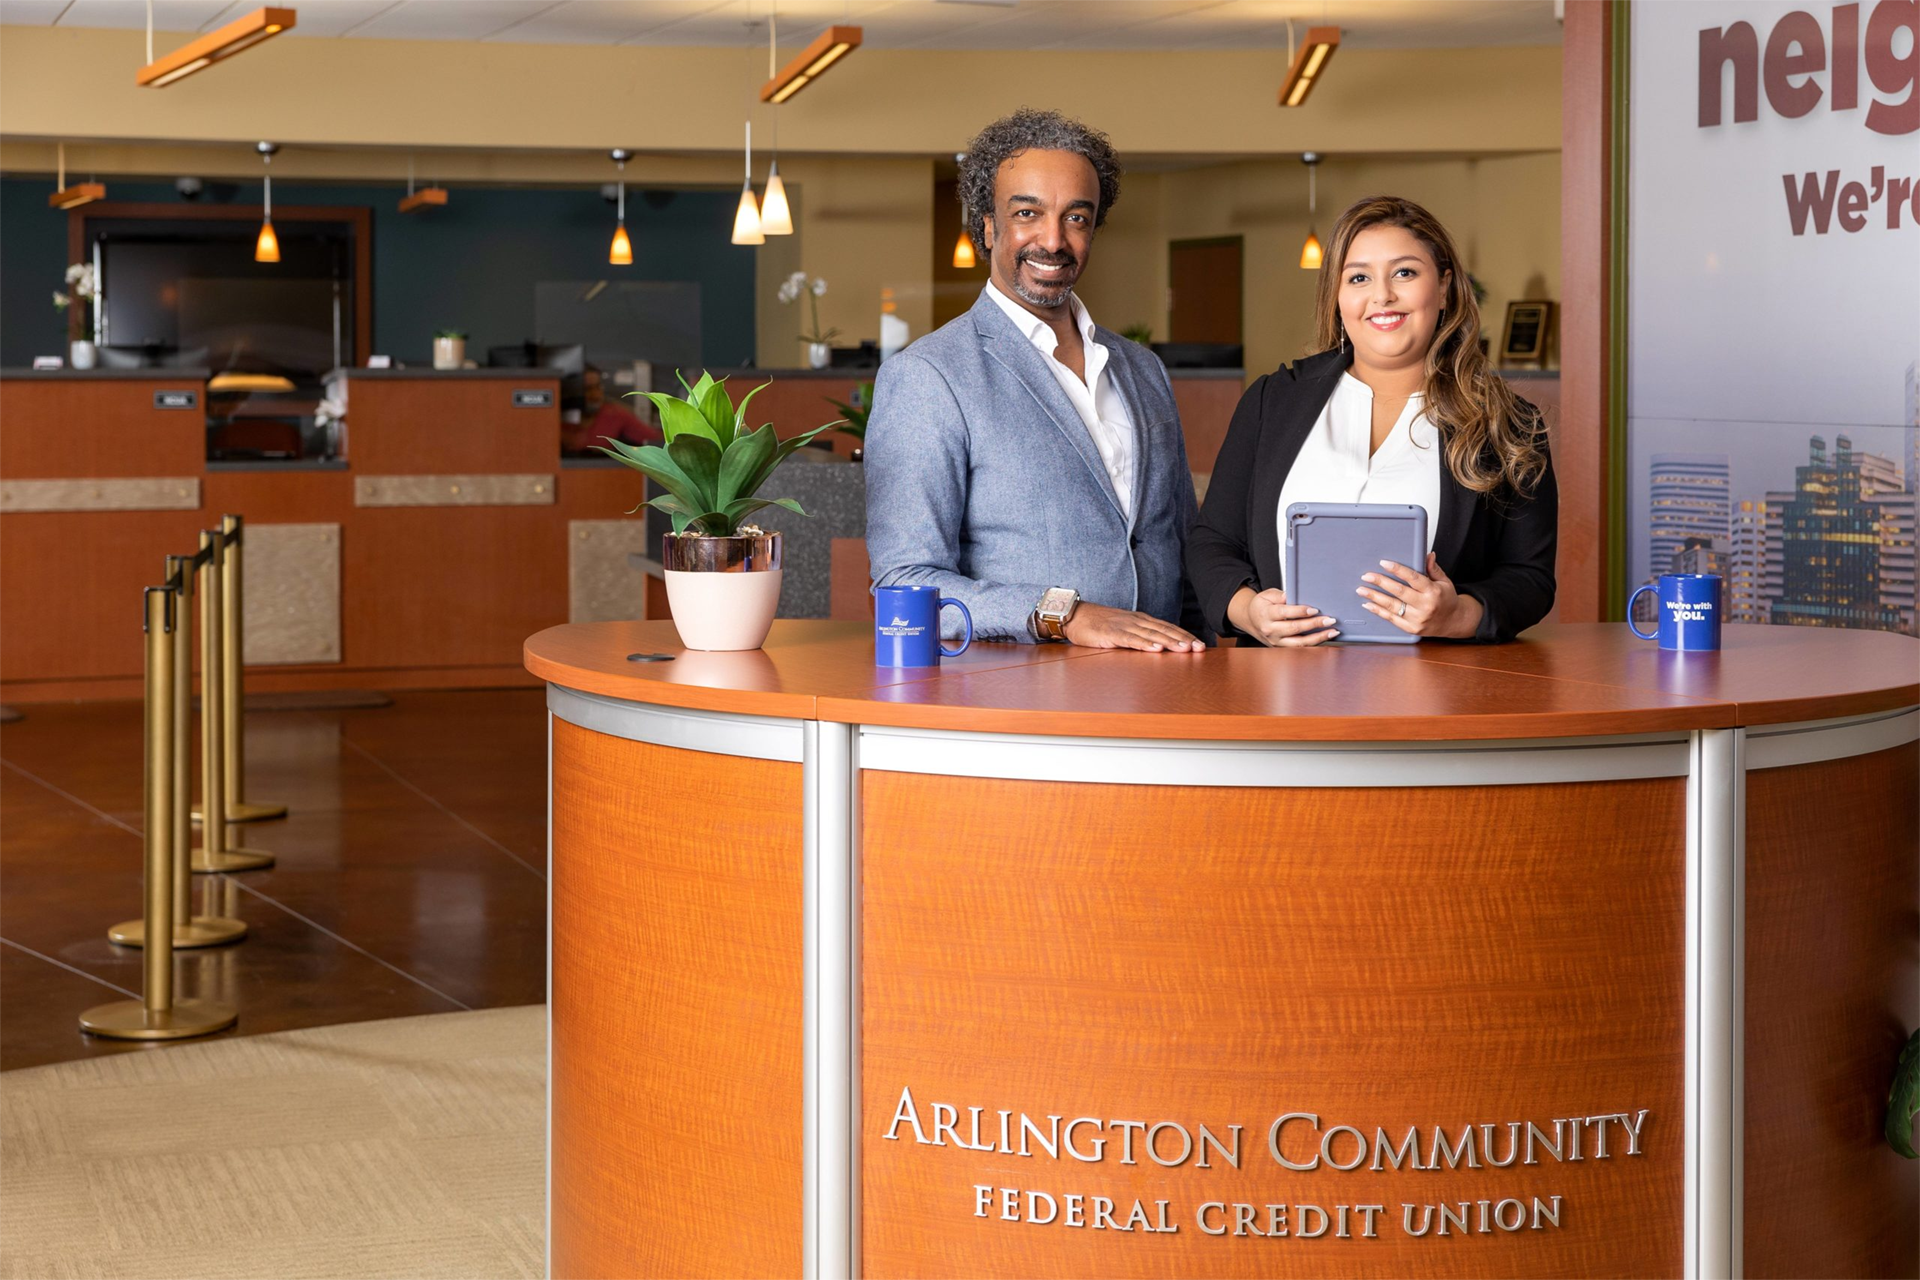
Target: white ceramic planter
(83, 355)
(449, 353)
(819, 355)
(723, 592)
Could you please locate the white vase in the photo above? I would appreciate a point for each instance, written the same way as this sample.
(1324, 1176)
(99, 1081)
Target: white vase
(723, 592)
(449, 353)
(819, 355)
(83, 354)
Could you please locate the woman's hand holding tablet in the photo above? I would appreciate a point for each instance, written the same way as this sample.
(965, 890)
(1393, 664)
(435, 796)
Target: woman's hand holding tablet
(1420, 604)
(1268, 618)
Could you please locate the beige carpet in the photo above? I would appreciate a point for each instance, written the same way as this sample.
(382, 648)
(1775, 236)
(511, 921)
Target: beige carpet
(412, 1147)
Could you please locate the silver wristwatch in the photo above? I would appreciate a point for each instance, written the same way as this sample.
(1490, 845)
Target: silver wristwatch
(1049, 620)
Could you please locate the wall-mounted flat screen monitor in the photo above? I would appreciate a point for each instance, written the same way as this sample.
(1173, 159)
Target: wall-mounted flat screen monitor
(174, 286)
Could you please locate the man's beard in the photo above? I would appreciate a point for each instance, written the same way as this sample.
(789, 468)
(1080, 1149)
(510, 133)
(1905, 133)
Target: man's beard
(1058, 297)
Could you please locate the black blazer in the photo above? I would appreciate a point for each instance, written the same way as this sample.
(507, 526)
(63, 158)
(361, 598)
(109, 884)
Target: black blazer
(1497, 547)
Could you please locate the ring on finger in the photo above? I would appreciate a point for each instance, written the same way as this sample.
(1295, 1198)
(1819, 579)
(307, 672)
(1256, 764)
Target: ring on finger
(1403, 608)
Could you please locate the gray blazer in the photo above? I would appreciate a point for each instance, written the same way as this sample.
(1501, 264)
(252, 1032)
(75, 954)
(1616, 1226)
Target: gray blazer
(983, 481)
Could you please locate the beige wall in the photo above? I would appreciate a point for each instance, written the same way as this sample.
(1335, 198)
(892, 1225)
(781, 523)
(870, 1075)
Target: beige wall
(856, 149)
(77, 83)
(1503, 210)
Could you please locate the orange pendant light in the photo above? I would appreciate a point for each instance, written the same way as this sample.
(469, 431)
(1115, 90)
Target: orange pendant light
(1311, 254)
(267, 247)
(620, 254)
(963, 252)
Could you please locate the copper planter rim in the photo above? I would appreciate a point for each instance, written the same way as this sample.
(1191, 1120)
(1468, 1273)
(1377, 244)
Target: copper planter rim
(740, 553)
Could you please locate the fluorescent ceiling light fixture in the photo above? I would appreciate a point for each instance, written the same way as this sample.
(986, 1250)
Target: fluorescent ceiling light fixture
(425, 198)
(1304, 71)
(261, 24)
(72, 197)
(834, 44)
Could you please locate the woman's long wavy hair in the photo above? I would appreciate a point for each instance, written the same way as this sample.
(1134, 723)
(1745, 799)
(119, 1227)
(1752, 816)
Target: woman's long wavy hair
(1491, 437)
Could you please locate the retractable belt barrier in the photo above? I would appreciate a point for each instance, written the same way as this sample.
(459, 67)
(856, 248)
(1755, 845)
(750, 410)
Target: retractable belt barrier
(157, 1015)
(210, 577)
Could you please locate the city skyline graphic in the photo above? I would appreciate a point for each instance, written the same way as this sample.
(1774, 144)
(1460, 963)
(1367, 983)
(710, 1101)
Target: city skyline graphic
(1828, 541)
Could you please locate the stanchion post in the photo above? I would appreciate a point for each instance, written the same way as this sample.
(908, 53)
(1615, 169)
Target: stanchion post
(157, 1015)
(233, 696)
(214, 853)
(189, 930)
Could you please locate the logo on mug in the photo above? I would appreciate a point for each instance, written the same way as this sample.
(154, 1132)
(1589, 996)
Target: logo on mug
(906, 627)
(1689, 611)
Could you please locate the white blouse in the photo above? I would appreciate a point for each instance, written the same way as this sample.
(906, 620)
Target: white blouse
(1333, 464)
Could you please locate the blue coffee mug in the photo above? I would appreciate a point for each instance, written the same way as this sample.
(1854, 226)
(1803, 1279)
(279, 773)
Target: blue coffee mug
(1689, 612)
(906, 627)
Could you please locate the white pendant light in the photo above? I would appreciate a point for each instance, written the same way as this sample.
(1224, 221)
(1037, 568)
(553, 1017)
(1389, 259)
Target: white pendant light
(776, 218)
(746, 219)
(267, 247)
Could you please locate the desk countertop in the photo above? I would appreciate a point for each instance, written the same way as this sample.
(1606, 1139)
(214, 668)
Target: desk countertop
(1569, 680)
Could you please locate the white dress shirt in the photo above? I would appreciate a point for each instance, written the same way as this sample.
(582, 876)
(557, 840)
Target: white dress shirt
(1334, 466)
(1097, 400)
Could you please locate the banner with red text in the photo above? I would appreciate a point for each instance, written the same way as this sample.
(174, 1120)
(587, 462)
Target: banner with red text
(1774, 306)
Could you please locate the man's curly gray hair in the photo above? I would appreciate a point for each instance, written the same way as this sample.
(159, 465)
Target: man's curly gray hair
(1030, 130)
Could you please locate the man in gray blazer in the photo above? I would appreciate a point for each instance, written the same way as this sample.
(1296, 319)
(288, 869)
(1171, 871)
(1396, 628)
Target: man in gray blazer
(1022, 459)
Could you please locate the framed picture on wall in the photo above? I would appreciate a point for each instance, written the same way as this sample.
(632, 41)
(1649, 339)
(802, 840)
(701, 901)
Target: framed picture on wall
(1528, 334)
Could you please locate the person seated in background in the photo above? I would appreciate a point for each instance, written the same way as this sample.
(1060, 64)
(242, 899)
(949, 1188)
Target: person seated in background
(1399, 406)
(604, 416)
(1023, 460)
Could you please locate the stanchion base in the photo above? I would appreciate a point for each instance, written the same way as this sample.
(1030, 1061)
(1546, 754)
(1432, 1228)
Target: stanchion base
(230, 860)
(201, 931)
(245, 812)
(132, 1020)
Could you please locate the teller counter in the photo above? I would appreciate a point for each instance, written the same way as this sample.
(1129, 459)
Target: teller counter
(1568, 957)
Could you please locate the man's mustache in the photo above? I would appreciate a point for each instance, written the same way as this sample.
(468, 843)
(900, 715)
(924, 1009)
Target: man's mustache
(1047, 260)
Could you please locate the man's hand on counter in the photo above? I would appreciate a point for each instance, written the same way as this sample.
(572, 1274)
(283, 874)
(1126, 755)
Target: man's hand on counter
(1096, 626)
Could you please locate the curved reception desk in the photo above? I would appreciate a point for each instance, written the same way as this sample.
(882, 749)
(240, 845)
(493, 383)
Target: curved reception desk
(1569, 957)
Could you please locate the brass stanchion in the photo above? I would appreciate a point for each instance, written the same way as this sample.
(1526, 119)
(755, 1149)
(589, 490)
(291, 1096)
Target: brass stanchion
(214, 853)
(157, 1015)
(234, 699)
(189, 930)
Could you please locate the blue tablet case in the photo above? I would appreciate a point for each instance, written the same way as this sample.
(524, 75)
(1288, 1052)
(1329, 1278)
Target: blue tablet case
(1330, 544)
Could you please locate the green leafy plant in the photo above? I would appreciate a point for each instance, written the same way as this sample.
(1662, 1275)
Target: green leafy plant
(712, 467)
(854, 416)
(1139, 333)
(1903, 1100)
(461, 334)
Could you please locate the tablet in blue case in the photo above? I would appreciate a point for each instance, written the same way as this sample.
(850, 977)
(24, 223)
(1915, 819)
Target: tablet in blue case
(1330, 544)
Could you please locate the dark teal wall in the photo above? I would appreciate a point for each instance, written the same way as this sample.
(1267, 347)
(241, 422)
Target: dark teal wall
(471, 265)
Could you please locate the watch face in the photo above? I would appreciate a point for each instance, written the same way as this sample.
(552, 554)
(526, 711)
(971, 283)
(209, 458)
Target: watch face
(1056, 602)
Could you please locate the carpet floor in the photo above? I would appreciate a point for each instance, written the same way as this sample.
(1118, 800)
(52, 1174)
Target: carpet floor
(407, 1147)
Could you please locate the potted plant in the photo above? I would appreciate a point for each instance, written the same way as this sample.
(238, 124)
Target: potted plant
(81, 291)
(819, 348)
(449, 348)
(853, 417)
(723, 571)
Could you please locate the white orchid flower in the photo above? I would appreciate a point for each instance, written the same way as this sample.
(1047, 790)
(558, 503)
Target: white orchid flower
(61, 299)
(819, 288)
(76, 271)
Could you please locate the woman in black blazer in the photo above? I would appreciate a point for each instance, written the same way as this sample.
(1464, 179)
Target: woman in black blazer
(1401, 358)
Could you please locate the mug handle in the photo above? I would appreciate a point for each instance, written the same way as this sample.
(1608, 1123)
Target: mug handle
(964, 644)
(1644, 635)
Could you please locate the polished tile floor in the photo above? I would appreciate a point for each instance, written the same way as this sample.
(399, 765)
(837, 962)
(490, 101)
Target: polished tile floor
(411, 875)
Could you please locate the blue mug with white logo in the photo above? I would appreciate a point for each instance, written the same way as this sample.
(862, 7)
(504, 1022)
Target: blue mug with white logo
(906, 627)
(1689, 612)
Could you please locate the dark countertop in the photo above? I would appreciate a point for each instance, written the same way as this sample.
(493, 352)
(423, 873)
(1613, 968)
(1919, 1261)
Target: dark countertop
(110, 375)
(278, 464)
(1207, 375)
(428, 373)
